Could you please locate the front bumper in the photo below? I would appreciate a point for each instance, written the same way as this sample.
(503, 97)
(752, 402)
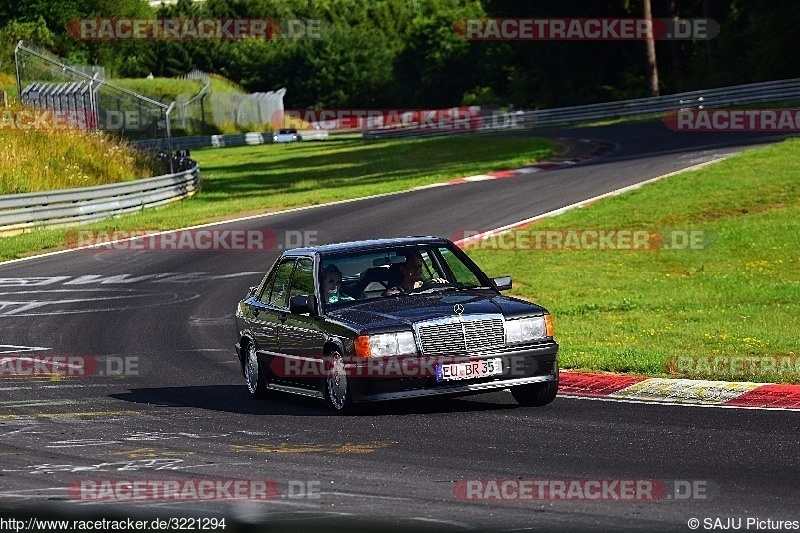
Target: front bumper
(522, 366)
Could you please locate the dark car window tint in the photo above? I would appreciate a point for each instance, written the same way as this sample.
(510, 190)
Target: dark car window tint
(279, 296)
(303, 280)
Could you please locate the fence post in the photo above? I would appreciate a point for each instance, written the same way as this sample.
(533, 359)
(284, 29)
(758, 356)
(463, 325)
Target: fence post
(169, 137)
(203, 113)
(16, 67)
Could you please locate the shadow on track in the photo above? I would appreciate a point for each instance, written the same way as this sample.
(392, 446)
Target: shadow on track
(643, 140)
(234, 399)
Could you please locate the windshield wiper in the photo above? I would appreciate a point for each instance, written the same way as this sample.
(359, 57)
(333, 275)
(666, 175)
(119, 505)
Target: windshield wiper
(450, 288)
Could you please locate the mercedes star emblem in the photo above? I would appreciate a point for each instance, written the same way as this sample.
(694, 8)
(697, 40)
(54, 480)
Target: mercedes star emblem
(458, 308)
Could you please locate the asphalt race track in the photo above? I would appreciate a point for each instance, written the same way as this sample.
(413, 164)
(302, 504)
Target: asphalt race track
(181, 409)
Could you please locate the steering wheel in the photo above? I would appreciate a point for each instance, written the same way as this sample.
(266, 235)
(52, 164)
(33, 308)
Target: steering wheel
(430, 283)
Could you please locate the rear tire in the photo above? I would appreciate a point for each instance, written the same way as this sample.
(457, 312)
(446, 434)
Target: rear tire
(535, 394)
(254, 374)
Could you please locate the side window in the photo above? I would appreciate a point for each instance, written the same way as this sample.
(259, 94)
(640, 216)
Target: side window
(430, 271)
(265, 287)
(463, 274)
(263, 297)
(279, 293)
(303, 279)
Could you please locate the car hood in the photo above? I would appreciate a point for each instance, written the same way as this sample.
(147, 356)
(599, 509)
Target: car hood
(401, 311)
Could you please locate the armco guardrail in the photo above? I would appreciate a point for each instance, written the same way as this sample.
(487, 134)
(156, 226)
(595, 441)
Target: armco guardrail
(218, 141)
(19, 212)
(754, 93)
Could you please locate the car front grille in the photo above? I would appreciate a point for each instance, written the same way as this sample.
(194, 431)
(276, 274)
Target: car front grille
(461, 335)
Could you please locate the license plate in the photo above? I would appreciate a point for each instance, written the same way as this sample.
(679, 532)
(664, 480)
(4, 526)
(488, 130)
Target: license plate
(469, 370)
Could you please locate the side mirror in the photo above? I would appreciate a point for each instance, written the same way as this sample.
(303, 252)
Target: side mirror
(252, 291)
(299, 305)
(503, 283)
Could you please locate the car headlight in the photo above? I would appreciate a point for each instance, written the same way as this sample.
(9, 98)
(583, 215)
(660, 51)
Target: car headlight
(522, 330)
(386, 344)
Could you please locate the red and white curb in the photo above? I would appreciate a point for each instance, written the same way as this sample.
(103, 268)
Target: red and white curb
(679, 391)
(599, 149)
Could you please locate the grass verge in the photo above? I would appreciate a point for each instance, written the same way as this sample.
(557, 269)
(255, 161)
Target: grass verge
(726, 306)
(257, 179)
(46, 160)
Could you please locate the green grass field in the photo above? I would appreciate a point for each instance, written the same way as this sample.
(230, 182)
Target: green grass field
(733, 296)
(46, 160)
(257, 179)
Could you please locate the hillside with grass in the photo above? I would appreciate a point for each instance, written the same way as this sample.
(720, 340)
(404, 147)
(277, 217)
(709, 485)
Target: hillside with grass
(47, 160)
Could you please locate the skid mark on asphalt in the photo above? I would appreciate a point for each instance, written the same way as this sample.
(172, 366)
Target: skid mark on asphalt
(151, 453)
(77, 443)
(39, 403)
(284, 447)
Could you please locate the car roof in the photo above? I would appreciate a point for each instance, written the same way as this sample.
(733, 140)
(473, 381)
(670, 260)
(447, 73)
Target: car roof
(366, 245)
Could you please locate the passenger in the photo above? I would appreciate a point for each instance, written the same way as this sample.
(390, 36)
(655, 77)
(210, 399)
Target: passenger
(332, 285)
(412, 275)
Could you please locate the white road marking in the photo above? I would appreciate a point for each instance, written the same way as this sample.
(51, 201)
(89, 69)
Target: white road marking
(13, 348)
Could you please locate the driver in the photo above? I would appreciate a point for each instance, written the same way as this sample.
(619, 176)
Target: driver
(412, 275)
(332, 285)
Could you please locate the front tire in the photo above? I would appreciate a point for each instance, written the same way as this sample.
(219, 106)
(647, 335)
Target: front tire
(535, 394)
(337, 390)
(254, 374)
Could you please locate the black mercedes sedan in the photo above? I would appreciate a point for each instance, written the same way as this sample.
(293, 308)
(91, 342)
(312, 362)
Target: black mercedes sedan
(391, 319)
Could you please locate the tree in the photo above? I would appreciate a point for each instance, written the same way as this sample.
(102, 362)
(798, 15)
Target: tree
(652, 64)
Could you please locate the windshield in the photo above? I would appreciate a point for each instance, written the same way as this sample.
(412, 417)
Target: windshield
(392, 272)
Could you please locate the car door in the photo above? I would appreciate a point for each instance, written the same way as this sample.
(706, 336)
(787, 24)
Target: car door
(302, 336)
(270, 307)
